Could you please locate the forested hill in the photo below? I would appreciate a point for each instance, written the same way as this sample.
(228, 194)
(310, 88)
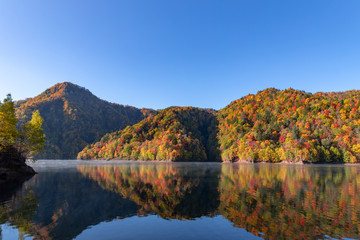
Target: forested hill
(74, 118)
(174, 134)
(270, 126)
(293, 126)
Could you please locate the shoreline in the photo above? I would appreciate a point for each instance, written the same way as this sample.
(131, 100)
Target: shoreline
(226, 162)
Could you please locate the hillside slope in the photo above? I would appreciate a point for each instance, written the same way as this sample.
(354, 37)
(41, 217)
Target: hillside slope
(74, 117)
(271, 126)
(173, 134)
(292, 126)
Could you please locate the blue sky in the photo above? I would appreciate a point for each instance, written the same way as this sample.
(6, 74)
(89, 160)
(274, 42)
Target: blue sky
(160, 53)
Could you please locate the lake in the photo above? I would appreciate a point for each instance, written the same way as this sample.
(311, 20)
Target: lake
(137, 200)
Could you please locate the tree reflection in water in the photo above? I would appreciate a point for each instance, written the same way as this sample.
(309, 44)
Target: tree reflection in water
(18, 209)
(292, 202)
(169, 190)
(270, 201)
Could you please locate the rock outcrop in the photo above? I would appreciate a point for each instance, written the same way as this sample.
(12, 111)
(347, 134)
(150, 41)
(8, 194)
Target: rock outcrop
(13, 168)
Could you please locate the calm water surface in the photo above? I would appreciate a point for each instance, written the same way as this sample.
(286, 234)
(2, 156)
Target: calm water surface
(122, 200)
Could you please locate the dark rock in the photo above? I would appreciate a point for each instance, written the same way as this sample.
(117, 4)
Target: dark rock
(13, 168)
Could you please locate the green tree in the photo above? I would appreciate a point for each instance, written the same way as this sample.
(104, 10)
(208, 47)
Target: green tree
(8, 120)
(32, 136)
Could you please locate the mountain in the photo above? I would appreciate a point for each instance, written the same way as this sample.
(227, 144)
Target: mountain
(74, 118)
(174, 134)
(291, 126)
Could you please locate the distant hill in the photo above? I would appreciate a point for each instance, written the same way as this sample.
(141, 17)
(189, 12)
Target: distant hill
(291, 126)
(174, 134)
(74, 118)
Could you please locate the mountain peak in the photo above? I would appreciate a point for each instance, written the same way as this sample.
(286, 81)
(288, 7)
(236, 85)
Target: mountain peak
(64, 85)
(61, 89)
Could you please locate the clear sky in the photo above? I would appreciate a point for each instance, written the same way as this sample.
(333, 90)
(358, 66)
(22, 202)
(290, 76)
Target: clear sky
(160, 53)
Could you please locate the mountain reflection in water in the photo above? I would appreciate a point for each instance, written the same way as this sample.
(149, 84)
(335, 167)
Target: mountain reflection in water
(170, 191)
(269, 201)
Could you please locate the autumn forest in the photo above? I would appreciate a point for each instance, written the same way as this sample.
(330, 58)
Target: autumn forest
(270, 126)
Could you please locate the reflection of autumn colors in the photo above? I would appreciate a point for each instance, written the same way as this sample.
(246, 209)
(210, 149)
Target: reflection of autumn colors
(292, 202)
(167, 190)
(18, 211)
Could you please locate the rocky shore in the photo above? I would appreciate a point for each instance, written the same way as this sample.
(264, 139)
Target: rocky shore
(13, 169)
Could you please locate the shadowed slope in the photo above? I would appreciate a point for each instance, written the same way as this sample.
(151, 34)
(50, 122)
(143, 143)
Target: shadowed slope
(74, 117)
